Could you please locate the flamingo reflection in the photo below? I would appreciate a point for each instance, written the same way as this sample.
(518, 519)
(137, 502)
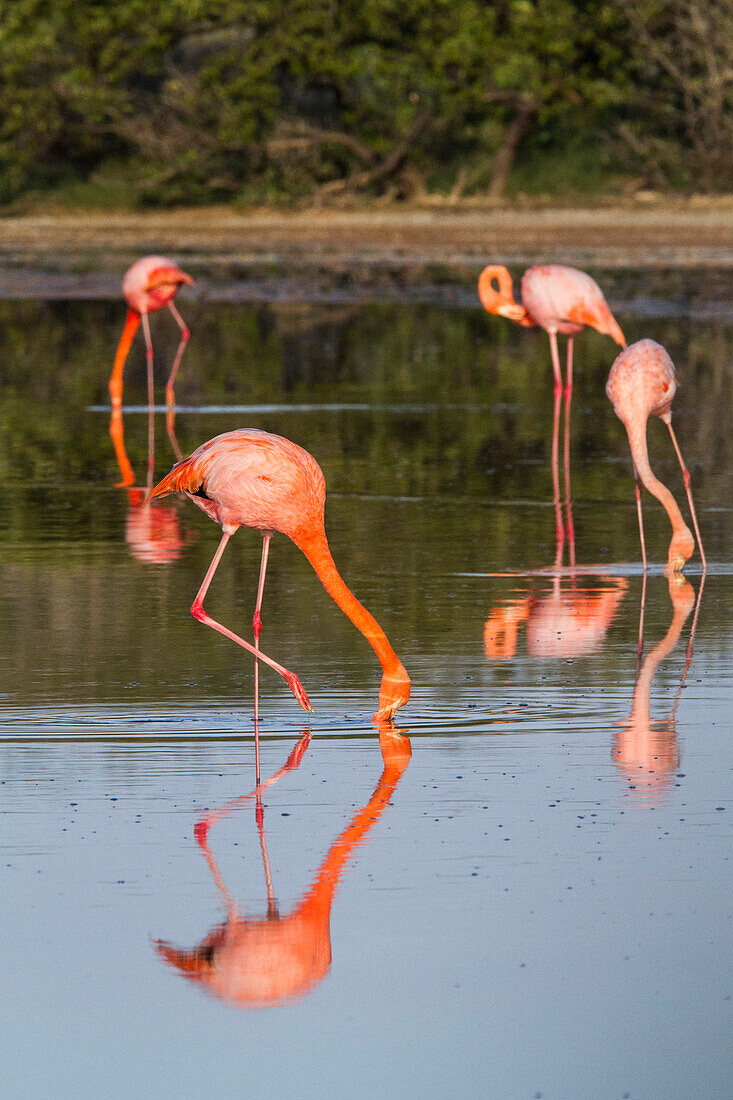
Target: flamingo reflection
(564, 621)
(255, 962)
(645, 750)
(153, 534)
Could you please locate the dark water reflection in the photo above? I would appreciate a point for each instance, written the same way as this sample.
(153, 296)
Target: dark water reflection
(544, 901)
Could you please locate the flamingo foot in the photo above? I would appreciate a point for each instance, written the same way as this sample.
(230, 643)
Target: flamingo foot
(298, 691)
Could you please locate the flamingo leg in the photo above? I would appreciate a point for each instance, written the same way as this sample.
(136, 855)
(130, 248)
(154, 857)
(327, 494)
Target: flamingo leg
(566, 433)
(569, 526)
(151, 398)
(687, 480)
(559, 529)
(637, 494)
(257, 627)
(197, 610)
(185, 333)
(170, 397)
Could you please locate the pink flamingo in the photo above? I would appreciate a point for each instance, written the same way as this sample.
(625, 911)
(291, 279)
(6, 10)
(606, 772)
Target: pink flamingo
(150, 284)
(250, 478)
(641, 384)
(558, 299)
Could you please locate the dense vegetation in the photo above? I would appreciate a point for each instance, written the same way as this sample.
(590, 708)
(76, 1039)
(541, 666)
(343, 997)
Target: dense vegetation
(252, 100)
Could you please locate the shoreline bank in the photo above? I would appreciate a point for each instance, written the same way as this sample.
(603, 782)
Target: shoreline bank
(658, 235)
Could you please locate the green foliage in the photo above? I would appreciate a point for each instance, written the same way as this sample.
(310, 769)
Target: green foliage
(194, 100)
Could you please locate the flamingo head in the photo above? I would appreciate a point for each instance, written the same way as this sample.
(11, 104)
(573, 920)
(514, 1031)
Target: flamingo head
(681, 548)
(497, 295)
(394, 691)
(167, 276)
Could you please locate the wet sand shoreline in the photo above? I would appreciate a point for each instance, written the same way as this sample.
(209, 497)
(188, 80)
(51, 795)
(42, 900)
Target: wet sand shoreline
(682, 234)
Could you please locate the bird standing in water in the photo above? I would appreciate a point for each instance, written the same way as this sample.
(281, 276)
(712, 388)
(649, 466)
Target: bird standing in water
(250, 478)
(558, 299)
(641, 384)
(150, 284)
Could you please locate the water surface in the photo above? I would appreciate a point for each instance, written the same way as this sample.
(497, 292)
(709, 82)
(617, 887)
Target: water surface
(537, 902)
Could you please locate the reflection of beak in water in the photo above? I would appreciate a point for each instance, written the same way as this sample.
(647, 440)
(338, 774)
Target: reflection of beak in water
(254, 962)
(154, 533)
(645, 750)
(563, 622)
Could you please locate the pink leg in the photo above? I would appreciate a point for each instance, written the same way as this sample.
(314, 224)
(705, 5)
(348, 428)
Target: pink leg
(185, 333)
(568, 396)
(170, 397)
(257, 627)
(197, 610)
(151, 399)
(559, 529)
(637, 493)
(686, 478)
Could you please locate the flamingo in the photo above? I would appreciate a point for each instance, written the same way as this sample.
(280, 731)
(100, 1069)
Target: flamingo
(558, 299)
(255, 962)
(149, 285)
(250, 478)
(642, 383)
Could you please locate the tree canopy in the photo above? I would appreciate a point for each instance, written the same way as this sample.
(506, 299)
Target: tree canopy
(194, 100)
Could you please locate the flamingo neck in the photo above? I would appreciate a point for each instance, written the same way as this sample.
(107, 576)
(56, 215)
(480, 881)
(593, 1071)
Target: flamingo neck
(636, 431)
(500, 301)
(115, 383)
(315, 547)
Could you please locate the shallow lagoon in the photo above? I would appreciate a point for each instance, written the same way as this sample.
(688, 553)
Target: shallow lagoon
(539, 901)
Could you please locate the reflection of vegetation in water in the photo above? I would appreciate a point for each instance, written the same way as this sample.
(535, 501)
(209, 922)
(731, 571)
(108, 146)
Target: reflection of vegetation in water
(68, 572)
(57, 355)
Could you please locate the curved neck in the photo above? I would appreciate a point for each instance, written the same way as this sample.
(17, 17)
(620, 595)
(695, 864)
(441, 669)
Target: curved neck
(636, 430)
(491, 298)
(315, 548)
(115, 383)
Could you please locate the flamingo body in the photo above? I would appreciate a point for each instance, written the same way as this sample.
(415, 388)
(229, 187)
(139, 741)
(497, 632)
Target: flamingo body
(255, 479)
(642, 383)
(555, 297)
(252, 478)
(563, 299)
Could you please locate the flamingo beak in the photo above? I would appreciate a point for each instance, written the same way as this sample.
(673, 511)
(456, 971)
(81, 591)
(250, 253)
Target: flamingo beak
(513, 311)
